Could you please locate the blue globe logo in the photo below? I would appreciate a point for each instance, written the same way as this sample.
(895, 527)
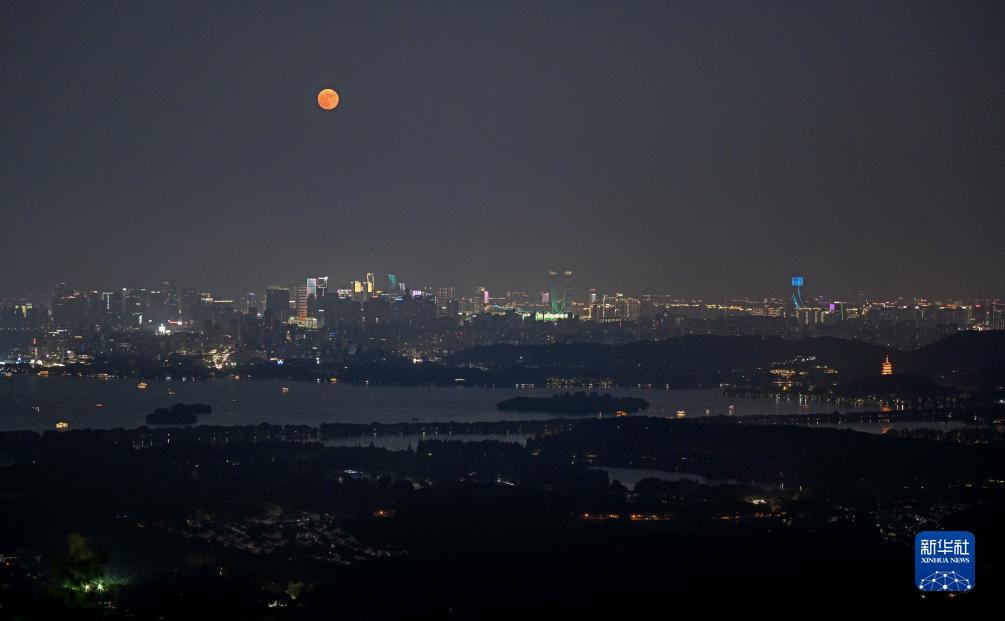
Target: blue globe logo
(944, 581)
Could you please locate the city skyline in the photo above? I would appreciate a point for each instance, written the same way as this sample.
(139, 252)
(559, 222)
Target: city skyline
(578, 291)
(702, 149)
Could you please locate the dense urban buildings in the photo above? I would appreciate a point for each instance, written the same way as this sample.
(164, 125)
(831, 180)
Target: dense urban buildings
(309, 320)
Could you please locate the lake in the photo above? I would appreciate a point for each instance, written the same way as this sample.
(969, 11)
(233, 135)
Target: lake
(37, 403)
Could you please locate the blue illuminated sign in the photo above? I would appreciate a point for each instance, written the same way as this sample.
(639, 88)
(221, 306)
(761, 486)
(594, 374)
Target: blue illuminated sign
(797, 281)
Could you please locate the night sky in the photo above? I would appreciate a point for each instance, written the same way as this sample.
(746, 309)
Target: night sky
(700, 149)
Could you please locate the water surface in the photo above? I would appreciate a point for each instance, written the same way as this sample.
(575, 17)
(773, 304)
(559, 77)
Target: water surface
(37, 403)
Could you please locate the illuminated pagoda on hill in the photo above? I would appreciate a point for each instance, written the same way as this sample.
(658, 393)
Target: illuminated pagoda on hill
(887, 366)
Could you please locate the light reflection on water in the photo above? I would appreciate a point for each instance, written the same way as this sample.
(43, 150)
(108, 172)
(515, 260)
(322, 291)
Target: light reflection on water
(403, 442)
(250, 402)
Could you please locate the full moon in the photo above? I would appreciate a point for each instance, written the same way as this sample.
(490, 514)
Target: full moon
(328, 99)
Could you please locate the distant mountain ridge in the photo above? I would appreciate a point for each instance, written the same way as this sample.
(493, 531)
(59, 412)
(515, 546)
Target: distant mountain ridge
(966, 359)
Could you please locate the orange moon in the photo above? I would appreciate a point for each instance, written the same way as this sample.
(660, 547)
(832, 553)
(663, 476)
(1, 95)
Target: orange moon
(328, 99)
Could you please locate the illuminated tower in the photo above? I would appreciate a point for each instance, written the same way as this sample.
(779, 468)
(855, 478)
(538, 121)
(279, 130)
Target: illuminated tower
(887, 366)
(797, 291)
(558, 293)
(566, 289)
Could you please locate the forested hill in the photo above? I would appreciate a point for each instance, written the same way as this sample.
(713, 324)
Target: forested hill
(967, 359)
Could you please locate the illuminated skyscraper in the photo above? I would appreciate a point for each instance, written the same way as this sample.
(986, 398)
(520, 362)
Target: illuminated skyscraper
(318, 286)
(359, 293)
(302, 293)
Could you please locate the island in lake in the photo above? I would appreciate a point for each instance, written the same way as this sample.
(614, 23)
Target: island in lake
(574, 403)
(178, 414)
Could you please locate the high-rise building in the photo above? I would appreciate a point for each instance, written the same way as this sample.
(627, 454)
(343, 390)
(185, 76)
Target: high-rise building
(207, 308)
(69, 307)
(189, 303)
(517, 298)
(472, 306)
(359, 291)
(616, 308)
(318, 286)
(997, 317)
(277, 304)
(169, 293)
(558, 291)
(376, 311)
(135, 306)
(302, 293)
(808, 317)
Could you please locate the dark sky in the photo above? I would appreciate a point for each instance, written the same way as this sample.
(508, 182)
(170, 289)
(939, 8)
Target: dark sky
(700, 148)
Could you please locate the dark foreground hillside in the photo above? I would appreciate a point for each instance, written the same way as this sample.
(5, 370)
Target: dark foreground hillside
(267, 523)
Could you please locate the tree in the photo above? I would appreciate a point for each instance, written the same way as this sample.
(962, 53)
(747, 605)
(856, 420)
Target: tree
(80, 571)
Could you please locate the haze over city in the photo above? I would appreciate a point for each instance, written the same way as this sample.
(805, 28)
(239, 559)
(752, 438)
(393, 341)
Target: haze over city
(708, 150)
